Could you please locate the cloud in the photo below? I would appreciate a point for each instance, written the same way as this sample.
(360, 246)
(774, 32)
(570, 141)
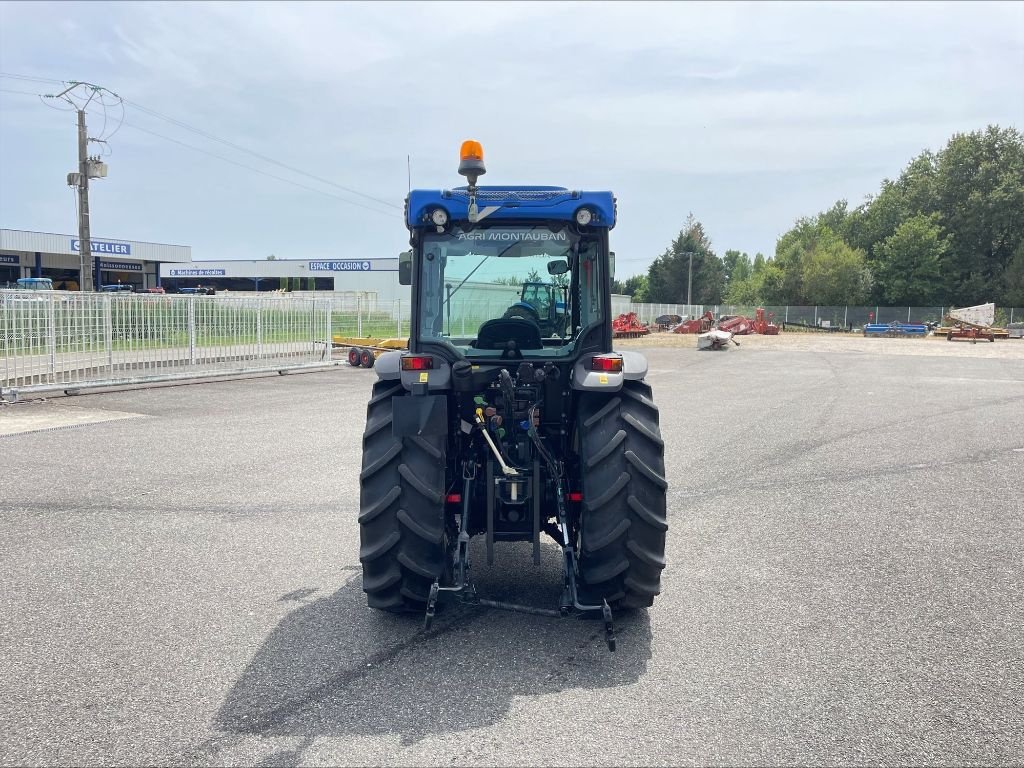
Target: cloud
(679, 106)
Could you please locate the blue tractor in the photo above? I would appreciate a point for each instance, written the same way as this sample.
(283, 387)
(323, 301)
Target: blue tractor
(509, 421)
(543, 304)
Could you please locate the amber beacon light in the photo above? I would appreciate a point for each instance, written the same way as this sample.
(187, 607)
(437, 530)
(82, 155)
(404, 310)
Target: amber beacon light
(471, 161)
(471, 150)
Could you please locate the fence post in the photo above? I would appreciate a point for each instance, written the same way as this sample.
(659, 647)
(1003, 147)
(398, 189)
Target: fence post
(1011, 314)
(846, 315)
(876, 315)
(191, 330)
(108, 331)
(908, 315)
(259, 329)
(328, 335)
(398, 319)
(51, 336)
(815, 317)
(359, 315)
(786, 319)
(312, 328)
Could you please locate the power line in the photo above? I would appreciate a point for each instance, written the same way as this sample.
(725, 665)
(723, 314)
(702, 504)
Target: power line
(225, 142)
(29, 77)
(265, 158)
(256, 170)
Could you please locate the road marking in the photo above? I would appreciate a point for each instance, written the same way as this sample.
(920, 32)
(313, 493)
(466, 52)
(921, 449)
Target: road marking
(39, 417)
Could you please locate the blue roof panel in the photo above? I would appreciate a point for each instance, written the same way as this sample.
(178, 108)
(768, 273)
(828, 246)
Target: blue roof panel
(554, 203)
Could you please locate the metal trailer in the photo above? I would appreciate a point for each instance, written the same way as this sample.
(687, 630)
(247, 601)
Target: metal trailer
(363, 351)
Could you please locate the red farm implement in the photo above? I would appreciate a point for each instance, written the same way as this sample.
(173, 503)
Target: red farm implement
(700, 324)
(628, 326)
(763, 324)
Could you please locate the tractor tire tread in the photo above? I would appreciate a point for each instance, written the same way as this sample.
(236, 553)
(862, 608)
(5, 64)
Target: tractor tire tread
(401, 509)
(624, 522)
(612, 445)
(370, 512)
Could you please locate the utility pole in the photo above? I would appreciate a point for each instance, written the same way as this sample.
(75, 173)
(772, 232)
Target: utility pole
(689, 282)
(88, 168)
(86, 280)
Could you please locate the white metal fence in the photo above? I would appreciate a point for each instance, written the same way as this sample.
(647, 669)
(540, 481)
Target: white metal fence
(57, 340)
(818, 316)
(68, 340)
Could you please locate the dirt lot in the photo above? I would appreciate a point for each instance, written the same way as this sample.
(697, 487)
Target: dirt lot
(842, 342)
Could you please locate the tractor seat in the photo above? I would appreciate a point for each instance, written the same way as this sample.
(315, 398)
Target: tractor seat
(497, 333)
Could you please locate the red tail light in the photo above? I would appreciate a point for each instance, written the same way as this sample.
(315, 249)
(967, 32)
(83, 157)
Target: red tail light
(417, 362)
(453, 498)
(606, 363)
(575, 496)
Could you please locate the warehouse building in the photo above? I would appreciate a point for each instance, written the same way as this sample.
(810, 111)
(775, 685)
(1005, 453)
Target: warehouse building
(44, 254)
(147, 265)
(375, 276)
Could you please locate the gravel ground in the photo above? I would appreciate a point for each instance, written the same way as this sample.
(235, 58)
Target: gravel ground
(844, 580)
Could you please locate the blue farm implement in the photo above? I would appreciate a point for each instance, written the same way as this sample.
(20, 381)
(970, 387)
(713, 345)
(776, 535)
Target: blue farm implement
(896, 329)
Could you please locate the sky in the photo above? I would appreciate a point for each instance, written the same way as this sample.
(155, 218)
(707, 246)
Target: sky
(748, 116)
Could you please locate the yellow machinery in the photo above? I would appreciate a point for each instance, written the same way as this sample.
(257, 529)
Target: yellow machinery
(364, 351)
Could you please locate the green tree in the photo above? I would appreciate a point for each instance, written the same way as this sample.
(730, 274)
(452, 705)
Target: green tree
(668, 274)
(1013, 292)
(636, 286)
(834, 273)
(736, 266)
(764, 285)
(980, 199)
(816, 266)
(908, 266)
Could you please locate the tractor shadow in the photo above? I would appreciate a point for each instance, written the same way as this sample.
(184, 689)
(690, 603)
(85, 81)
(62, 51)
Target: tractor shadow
(335, 668)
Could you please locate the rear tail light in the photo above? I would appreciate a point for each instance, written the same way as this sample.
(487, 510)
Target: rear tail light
(606, 363)
(575, 496)
(417, 362)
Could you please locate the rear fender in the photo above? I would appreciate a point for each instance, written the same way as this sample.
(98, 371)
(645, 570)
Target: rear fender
(634, 367)
(389, 368)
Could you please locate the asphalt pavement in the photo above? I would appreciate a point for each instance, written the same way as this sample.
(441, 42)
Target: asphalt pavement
(181, 583)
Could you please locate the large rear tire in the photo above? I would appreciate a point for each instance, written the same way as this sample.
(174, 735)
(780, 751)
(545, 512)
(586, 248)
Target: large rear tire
(401, 509)
(624, 521)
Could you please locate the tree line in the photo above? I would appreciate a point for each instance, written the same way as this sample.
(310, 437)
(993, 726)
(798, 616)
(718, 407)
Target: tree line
(948, 231)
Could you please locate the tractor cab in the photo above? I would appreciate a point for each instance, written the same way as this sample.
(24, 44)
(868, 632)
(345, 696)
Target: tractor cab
(509, 272)
(543, 304)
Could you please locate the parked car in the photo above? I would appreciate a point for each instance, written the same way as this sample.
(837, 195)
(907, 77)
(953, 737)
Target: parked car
(35, 284)
(119, 288)
(157, 289)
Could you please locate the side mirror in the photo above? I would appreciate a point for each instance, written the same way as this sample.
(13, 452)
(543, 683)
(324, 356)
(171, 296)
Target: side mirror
(611, 265)
(558, 267)
(405, 268)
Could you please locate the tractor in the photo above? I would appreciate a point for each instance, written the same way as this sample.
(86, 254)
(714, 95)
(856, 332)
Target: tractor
(501, 426)
(544, 304)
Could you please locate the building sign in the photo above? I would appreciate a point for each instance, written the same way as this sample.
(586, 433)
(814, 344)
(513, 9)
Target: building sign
(99, 246)
(120, 266)
(197, 273)
(339, 266)
(5, 259)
